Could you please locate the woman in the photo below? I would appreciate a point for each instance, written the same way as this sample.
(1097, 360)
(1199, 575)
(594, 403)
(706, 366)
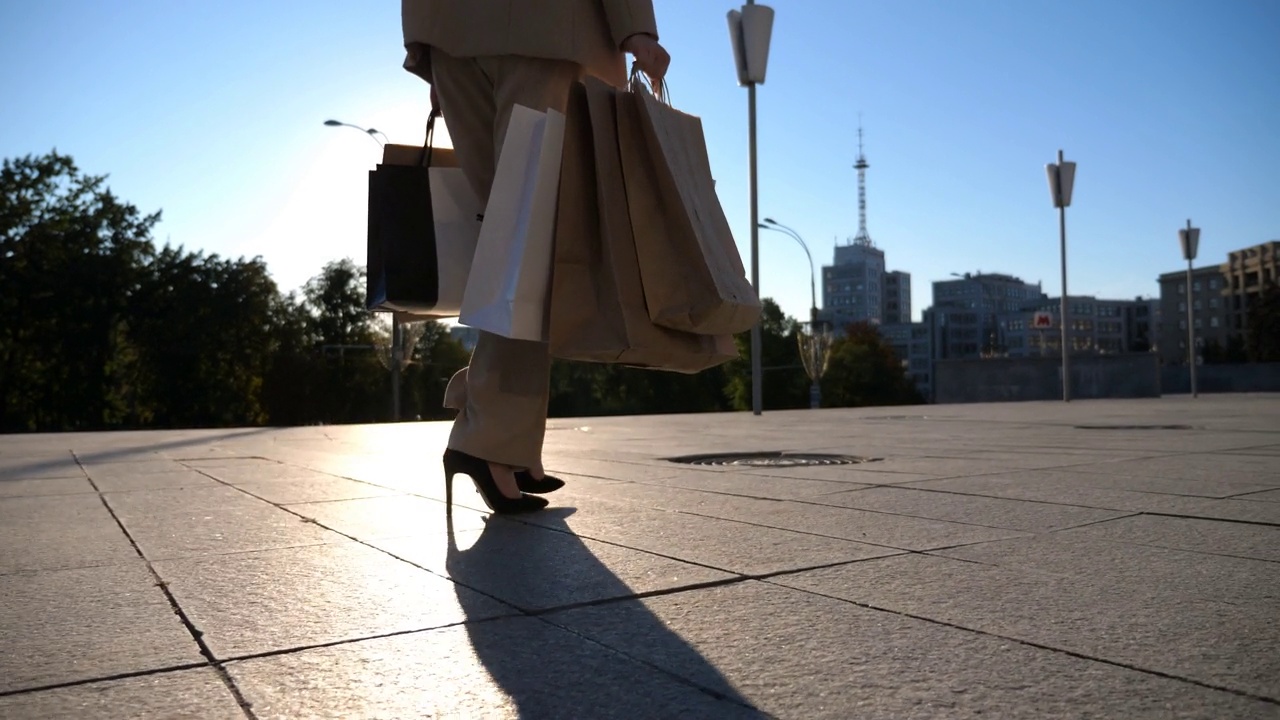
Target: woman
(482, 57)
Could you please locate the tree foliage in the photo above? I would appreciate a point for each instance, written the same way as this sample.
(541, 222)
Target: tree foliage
(864, 370)
(103, 330)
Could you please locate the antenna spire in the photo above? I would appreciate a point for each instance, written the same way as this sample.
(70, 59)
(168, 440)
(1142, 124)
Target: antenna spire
(863, 237)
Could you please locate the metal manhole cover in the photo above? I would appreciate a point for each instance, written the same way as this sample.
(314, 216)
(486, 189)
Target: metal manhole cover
(1134, 427)
(769, 459)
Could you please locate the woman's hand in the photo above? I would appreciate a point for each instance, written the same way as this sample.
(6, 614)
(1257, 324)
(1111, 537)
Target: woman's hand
(652, 58)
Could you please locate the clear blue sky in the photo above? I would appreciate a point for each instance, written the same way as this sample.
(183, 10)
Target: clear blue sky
(212, 112)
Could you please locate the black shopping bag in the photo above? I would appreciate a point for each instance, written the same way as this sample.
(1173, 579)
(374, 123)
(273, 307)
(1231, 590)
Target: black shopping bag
(423, 225)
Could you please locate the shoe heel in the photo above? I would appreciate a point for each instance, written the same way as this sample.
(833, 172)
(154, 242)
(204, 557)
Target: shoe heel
(456, 461)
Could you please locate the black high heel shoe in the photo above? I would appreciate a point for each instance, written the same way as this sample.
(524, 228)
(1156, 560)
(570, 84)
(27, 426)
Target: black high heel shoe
(456, 461)
(543, 485)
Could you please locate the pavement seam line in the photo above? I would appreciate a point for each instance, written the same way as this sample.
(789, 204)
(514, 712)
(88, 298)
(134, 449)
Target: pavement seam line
(196, 634)
(1077, 505)
(105, 678)
(1261, 523)
(1039, 646)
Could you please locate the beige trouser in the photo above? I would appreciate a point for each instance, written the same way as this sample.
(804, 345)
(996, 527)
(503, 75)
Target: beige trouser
(502, 396)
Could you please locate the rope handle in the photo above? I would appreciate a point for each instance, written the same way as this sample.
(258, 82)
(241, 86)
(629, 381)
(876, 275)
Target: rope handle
(641, 82)
(424, 159)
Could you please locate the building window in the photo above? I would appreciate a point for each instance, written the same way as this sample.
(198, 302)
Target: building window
(1182, 306)
(1197, 304)
(1182, 324)
(1182, 289)
(1196, 286)
(1214, 284)
(1213, 303)
(1213, 321)
(1197, 323)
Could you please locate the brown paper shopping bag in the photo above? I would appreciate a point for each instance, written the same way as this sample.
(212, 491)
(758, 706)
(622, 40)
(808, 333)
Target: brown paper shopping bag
(598, 309)
(693, 275)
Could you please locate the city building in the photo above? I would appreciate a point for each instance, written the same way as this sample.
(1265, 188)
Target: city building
(912, 344)
(965, 316)
(897, 297)
(1096, 326)
(855, 287)
(1220, 296)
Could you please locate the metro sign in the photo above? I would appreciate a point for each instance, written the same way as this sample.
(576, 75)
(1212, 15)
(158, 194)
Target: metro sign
(1042, 321)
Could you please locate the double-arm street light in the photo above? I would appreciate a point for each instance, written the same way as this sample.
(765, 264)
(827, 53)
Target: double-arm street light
(373, 133)
(771, 224)
(814, 346)
(397, 337)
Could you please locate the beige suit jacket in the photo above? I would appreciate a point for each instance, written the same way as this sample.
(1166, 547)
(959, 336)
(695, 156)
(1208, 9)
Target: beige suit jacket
(588, 32)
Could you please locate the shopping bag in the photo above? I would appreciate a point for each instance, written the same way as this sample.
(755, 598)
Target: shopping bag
(507, 290)
(598, 310)
(424, 222)
(694, 279)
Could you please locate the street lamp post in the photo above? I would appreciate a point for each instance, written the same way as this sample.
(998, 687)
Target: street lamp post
(1189, 238)
(1062, 175)
(397, 350)
(814, 352)
(750, 30)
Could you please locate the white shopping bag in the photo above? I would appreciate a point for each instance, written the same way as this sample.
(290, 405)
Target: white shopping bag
(456, 211)
(508, 289)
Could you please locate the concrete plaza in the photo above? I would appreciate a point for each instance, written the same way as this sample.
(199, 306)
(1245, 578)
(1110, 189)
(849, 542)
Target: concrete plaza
(1103, 559)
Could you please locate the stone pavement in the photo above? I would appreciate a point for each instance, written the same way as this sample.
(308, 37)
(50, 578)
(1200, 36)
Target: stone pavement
(1028, 560)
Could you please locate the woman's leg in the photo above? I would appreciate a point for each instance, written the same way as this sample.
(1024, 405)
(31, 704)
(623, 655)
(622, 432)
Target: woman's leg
(504, 401)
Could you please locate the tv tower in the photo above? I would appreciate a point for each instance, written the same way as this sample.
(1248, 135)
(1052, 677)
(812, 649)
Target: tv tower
(863, 237)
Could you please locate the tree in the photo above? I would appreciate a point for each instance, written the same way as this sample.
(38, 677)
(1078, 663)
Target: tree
(1262, 326)
(437, 357)
(71, 257)
(203, 329)
(351, 384)
(785, 383)
(864, 370)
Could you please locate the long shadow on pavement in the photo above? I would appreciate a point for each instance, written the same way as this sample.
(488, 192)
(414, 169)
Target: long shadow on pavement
(547, 671)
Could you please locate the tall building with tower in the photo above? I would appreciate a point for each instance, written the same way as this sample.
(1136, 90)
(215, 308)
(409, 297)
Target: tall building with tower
(856, 287)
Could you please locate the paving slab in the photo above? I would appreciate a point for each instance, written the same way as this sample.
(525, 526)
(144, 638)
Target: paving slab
(988, 512)
(1084, 490)
(535, 568)
(797, 655)
(508, 668)
(1215, 537)
(393, 516)
(173, 478)
(1151, 628)
(50, 533)
(45, 486)
(1236, 581)
(22, 467)
(182, 695)
(221, 531)
(308, 490)
(875, 528)
(756, 484)
(64, 626)
(273, 600)
(735, 547)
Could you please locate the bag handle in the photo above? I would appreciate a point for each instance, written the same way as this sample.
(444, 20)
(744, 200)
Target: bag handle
(424, 158)
(641, 82)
